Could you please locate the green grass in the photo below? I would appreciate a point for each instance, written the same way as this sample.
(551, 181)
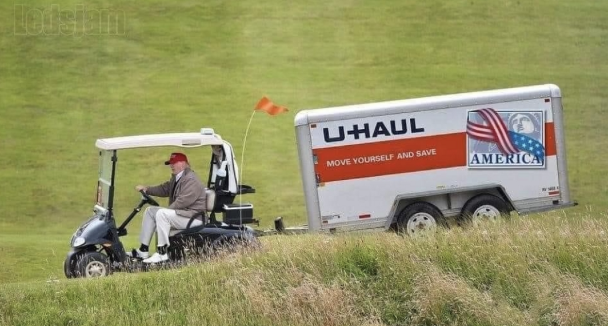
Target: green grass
(549, 270)
(183, 65)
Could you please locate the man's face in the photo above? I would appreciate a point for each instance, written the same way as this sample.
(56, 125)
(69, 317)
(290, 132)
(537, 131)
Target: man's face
(177, 167)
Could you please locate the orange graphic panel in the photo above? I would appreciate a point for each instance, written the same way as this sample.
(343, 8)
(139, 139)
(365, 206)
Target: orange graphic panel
(390, 157)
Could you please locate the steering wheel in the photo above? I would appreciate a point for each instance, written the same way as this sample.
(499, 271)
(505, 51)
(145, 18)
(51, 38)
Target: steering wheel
(148, 198)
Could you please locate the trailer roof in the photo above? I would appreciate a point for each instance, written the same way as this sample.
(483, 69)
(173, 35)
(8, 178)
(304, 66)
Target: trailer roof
(425, 103)
(192, 139)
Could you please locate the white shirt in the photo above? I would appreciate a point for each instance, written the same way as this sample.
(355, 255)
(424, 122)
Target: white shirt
(178, 176)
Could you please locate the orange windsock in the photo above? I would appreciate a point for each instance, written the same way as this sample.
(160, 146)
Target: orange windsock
(266, 105)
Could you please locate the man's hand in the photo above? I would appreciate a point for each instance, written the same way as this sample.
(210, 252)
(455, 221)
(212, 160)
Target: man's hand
(140, 188)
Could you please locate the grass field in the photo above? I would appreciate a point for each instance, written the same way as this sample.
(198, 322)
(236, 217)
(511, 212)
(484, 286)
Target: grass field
(173, 66)
(525, 272)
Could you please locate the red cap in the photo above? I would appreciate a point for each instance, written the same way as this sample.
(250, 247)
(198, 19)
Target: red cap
(176, 157)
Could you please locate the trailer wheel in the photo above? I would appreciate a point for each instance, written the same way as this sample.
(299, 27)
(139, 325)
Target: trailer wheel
(420, 217)
(483, 207)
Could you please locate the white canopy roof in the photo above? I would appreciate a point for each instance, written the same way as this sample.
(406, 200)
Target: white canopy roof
(205, 137)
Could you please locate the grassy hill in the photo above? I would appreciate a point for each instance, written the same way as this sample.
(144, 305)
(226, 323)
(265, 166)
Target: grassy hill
(526, 272)
(173, 66)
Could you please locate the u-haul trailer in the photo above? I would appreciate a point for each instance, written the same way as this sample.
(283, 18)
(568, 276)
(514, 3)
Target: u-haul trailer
(417, 163)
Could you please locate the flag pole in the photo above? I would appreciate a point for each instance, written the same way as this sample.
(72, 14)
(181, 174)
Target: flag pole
(242, 167)
(265, 105)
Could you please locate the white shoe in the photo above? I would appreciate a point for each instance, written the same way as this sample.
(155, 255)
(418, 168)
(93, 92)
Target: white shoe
(156, 258)
(139, 254)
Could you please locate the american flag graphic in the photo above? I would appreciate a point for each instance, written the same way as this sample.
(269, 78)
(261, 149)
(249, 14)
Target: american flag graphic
(494, 130)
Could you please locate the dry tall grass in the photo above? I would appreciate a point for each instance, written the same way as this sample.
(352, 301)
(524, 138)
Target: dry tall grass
(542, 270)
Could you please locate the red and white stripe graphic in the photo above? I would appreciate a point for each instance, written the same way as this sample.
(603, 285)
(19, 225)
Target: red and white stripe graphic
(493, 131)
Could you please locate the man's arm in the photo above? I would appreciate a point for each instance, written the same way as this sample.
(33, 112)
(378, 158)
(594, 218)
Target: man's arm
(162, 190)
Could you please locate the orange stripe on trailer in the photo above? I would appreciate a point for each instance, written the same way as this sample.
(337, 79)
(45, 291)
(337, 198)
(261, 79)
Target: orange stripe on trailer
(401, 156)
(553, 193)
(550, 147)
(365, 216)
(391, 157)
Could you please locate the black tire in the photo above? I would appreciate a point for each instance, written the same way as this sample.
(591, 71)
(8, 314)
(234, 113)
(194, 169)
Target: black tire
(69, 267)
(92, 264)
(234, 245)
(483, 207)
(176, 253)
(420, 216)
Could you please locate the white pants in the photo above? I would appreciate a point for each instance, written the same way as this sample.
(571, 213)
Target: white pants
(162, 220)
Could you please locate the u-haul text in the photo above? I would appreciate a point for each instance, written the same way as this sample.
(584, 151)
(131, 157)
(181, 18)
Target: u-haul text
(375, 130)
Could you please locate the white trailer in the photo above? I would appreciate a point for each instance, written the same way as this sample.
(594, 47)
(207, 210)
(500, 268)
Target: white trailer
(417, 163)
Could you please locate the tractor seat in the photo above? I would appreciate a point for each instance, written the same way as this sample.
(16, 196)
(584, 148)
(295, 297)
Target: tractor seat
(210, 205)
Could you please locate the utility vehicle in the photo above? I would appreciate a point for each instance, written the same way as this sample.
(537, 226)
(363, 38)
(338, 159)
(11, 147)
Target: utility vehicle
(96, 249)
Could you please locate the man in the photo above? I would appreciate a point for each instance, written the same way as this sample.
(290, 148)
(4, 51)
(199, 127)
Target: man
(186, 199)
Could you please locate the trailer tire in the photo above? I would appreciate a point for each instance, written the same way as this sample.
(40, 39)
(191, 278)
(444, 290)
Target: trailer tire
(420, 216)
(483, 207)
